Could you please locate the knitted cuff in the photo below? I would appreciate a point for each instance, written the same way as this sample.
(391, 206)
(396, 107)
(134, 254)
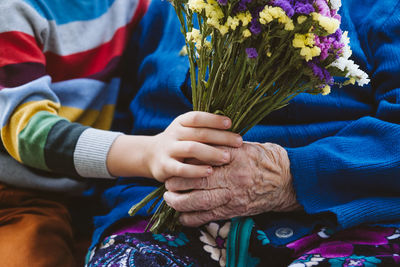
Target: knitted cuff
(91, 152)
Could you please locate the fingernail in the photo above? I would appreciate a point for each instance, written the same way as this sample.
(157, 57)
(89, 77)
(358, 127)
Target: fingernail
(226, 156)
(209, 170)
(226, 123)
(166, 195)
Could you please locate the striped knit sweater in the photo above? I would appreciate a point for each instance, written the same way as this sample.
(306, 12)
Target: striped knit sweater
(58, 76)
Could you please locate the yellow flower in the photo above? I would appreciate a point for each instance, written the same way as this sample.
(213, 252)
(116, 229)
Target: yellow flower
(299, 40)
(326, 90)
(306, 53)
(309, 52)
(245, 18)
(269, 13)
(196, 5)
(246, 33)
(315, 51)
(183, 51)
(275, 12)
(207, 44)
(213, 11)
(232, 22)
(306, 43)
(213, 22)
(289, 26)
(350, 81)
(194, 36)
(309, 39)
(223, 29)
(330, 25)
(301, 19)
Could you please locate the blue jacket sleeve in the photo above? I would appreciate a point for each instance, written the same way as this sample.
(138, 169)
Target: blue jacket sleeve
(355, 174)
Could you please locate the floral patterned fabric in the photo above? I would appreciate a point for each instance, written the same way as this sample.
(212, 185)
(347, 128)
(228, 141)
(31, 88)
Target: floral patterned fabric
(206, 246)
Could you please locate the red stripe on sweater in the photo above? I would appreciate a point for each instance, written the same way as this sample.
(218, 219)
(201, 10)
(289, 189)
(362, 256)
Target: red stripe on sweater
(86, 63)
(18, 47)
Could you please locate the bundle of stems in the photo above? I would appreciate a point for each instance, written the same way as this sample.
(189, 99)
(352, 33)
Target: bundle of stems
(246, 68)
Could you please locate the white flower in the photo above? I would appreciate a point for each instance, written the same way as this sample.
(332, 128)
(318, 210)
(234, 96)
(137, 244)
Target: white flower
(215, 238)
(395, 235)
(310, 261)
(346, 49)
(336, 4)
(183, 51)
(352, 70)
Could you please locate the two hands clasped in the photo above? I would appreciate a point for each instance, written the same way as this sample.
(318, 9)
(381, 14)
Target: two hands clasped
(210, 173)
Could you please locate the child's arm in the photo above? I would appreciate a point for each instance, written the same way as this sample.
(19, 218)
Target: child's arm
(34, 104)
(46, 82)
(163, 156)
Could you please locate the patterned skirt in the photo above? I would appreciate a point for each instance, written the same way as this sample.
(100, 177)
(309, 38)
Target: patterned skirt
(209, 246)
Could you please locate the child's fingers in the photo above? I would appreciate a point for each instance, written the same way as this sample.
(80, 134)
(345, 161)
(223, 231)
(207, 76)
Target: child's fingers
(177, 168)
(204, 119)
(202, 152)
(210, 136)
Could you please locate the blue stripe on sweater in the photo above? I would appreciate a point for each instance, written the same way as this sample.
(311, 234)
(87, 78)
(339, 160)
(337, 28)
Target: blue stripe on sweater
(64, 12)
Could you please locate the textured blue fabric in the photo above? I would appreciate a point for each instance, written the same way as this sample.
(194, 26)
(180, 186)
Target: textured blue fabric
(344, 148)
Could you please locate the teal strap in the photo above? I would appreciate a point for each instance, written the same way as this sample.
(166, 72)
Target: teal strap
(231, 248)
(238, 241)
(244, 238)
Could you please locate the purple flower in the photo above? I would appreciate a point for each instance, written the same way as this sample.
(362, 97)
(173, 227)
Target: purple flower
(337, 35)
(286, 6)
(318, 72)
(242, 6)
(328, 77)
(251, 52)
(222, 2)
(303, 8)
(255, 26)
(321, 73)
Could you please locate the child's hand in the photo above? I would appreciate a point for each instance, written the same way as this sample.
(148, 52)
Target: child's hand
(190, 136)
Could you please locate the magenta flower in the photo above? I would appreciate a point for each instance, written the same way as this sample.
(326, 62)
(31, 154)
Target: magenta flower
(323, 7)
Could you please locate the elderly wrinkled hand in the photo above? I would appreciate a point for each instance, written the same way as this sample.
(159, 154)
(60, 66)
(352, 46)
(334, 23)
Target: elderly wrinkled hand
(256, 180)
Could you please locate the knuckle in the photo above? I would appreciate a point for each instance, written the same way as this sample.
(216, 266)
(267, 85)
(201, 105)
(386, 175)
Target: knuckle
(179, 170)
(214, 215)
(208, 199)
(202, 205)
(194, 117)
(164, 167)
(190, 147)
(201, 134)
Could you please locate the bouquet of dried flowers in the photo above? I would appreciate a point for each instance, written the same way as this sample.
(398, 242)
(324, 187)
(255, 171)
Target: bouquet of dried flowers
(250, 57)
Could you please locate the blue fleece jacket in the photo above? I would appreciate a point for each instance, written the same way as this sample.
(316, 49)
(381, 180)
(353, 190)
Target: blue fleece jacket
(344, 148)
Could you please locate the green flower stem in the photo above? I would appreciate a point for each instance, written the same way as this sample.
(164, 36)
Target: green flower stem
(146, 200)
